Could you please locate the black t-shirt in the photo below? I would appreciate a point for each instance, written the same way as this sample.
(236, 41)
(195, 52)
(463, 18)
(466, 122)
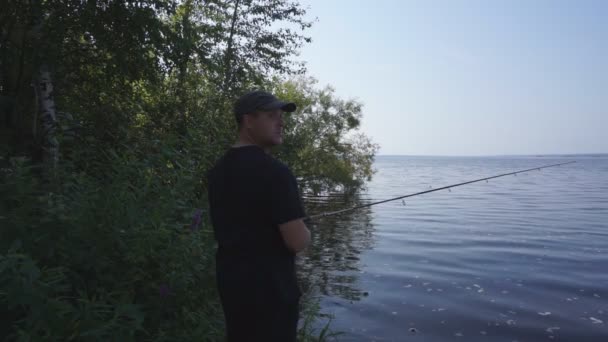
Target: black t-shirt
(250, 194)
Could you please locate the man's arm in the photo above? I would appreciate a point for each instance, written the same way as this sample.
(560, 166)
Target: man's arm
(287, 211)
(295, 235)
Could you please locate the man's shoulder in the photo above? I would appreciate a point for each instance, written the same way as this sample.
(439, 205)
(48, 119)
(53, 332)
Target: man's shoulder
(250, 158)
(263, 159)
(279, 166)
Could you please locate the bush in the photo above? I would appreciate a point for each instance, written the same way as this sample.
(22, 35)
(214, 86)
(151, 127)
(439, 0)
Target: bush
(126, 255)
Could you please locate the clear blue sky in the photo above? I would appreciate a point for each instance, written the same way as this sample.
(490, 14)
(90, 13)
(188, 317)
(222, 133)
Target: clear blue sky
(468, 77)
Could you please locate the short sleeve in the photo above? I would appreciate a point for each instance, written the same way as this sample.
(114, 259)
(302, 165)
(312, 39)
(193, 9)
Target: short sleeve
(285, 201)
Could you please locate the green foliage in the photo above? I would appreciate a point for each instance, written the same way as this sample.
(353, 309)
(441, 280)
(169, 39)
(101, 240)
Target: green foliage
(311, 313)
(322, 143)
(131, 263)
(40, 305)
(103, 246)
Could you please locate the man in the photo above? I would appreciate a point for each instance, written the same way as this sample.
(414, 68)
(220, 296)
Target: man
(257, 218)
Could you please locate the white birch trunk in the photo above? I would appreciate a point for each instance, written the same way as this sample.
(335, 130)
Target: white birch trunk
(229, 53)
(48, 116)
(44, 91)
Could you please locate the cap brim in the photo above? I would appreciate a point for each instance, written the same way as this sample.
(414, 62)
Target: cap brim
(285, 106)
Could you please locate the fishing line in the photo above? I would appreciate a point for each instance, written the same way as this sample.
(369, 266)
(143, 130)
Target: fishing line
(331, 213)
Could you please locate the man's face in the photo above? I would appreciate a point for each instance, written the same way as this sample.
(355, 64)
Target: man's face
(266, 127)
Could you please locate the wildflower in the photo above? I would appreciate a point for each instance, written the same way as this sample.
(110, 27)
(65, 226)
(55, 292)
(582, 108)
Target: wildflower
(163, 290)
(196, 219)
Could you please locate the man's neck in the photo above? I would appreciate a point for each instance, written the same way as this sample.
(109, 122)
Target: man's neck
(240, 142)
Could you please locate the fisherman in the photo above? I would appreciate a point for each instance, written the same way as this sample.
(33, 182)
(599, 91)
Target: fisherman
(257, 217)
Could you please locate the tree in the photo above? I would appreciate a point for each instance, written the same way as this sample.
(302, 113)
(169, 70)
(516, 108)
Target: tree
(322, 142)
(143, 92)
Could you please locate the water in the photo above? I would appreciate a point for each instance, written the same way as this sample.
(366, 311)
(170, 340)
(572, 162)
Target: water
(520, 258)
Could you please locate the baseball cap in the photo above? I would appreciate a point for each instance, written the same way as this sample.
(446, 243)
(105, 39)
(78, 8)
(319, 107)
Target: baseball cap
(260, 100)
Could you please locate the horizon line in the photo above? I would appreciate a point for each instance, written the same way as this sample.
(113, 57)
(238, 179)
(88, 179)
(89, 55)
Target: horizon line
(496, 155)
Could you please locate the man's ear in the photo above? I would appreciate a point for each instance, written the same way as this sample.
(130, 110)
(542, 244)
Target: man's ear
(248, 120)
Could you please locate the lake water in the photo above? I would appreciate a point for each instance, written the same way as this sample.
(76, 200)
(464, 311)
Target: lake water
(519, 258)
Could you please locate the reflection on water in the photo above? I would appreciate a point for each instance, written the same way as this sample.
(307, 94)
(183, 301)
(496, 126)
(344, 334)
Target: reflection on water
(519, 258)
(331, 265)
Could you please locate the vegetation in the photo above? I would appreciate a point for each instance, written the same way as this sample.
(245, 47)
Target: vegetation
(110, 114)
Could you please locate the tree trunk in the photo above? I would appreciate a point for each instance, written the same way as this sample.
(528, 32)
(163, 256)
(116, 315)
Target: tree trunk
(184, 59)
(228, 56)
(48, 116)
(44, 90)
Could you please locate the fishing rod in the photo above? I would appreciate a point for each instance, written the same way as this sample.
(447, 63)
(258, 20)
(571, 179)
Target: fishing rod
(331, 213)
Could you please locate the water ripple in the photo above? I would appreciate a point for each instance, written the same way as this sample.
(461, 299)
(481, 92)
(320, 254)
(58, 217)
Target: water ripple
(518, 258)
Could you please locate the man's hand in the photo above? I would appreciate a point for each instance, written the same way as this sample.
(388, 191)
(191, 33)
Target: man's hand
(295, 234)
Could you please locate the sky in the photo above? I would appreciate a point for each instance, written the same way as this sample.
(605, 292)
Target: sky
(468, 78)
